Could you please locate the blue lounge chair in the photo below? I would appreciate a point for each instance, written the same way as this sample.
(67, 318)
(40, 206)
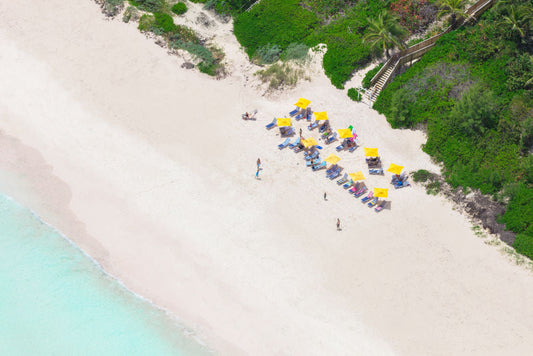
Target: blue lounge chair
(299, 116)
(335, 174)
(323, 127)
(343, 180)
(368, 197)
(331, 138)
(271, 125)
(348, 184)
(340, 147)
(295, 143)
(311, 156)
(294, 112)
(401, 184)
(312, 162)
(319, 166)
(309, 114)
(351, 149)
(284, 144)
(373, 202)
(312, 126)
(331, 169)
(375, 171)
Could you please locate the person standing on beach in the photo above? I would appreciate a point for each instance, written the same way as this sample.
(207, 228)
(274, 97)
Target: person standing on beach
(258, 163)
(301, 133)
(338, 224)
(326, 198)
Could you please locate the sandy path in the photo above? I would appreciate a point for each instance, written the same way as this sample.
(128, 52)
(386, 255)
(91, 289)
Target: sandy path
(148, 167)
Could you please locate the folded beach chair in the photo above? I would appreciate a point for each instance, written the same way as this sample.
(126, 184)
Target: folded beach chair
(319, 166)
(294, 112)
(343, 180)
(284, 143)
(312, 126)
(309, 114)
(368, 197)
(380, 206)
(295, 143)
(272, 124)
(373, 202)
(288, 132)
(360, 191)
(375, 171)
(331, 138)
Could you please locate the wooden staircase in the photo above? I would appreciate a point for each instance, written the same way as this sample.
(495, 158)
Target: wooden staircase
(393, 65)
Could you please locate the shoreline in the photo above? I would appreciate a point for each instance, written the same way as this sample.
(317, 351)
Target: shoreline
(268, 273)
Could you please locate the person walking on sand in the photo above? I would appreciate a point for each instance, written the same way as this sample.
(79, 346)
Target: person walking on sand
(338, 224)
(326, 197)
(258, 163)
(301, 133)
(257, 174)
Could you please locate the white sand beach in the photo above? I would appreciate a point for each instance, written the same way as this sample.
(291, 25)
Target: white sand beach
(149, 168)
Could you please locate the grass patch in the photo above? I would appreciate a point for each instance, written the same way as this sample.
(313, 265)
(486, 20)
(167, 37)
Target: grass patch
(281, 75)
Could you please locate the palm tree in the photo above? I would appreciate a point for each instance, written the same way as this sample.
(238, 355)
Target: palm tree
(519, 19)
(454, 8)
(385, 32)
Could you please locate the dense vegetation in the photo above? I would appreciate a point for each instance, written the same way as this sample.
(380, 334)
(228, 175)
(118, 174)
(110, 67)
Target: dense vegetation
(158, 20)
(272, 26)
(474, 93)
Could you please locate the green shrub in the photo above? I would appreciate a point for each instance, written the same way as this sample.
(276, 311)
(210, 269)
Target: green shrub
(146, 22)
(111, 7)
(295, 51)
(131, 13)
(421, 175)
(273, 22)
(523, 244)
(199, 1)
(179, 8)
(370, 74)
(354, 94)
(164, 22)
(267, 54)
(150, 5)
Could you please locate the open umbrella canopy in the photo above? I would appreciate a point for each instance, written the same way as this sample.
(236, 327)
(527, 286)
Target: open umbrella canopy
(332, 159)
(286, 121)
(345, 133)
(302, 103)
(381, 192)
(395, 169)
(308, 142)
(322, 115)
(370, 152)
(357, 175)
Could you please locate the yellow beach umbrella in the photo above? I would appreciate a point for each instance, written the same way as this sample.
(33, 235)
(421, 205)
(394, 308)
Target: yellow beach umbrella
(357, 176)
(302, 103)
(370, 152)
(322, 115)
(332, 159)
(309, 142)
(345, 133)
(381, 192)
(284, 122)
(395, 169)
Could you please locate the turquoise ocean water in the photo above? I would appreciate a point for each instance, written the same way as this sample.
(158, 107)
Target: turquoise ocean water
(54, 300)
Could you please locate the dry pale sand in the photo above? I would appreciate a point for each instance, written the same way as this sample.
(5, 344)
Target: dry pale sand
(149, 168)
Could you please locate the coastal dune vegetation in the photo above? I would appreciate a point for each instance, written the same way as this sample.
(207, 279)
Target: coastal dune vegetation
(473, 93)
